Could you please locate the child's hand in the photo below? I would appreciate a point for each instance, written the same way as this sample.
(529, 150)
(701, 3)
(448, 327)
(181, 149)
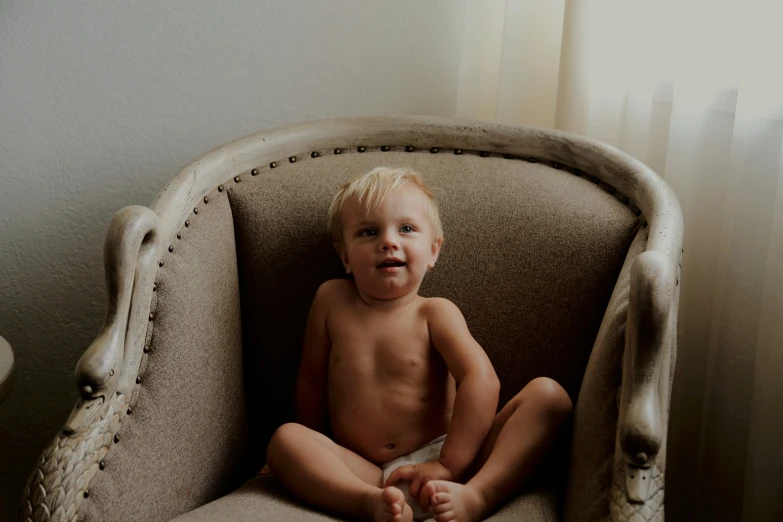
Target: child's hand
(420, 474)
(264, 471)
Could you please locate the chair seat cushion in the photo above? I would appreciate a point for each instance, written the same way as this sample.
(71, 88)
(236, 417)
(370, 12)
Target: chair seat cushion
(265, 499)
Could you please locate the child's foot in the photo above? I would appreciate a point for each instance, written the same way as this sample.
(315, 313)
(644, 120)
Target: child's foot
(455, 502)
(388, 505)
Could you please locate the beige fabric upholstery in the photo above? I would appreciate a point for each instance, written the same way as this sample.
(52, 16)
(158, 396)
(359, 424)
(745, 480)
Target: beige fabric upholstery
(184, 443)
(266, 500)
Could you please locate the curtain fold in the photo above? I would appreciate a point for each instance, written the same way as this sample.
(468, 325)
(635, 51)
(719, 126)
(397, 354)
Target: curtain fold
(693, 90)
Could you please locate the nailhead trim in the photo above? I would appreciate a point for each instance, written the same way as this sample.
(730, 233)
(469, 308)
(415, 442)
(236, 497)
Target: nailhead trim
(434, 150)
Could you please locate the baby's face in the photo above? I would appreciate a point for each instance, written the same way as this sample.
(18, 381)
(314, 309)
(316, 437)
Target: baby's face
(389, 250)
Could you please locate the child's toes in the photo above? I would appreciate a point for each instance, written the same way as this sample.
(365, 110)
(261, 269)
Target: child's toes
(431, 491)
(442, 508)
(393, 498)
(395, 505)
(440, 499)
(448, 516)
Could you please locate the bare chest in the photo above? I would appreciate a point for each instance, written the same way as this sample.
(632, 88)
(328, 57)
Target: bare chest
(382, 348)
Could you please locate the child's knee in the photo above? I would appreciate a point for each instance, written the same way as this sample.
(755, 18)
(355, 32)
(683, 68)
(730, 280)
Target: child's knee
(551, 396)
(284, 437)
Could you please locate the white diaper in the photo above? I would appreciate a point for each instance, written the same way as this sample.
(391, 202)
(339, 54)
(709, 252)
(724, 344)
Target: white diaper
(429, 451)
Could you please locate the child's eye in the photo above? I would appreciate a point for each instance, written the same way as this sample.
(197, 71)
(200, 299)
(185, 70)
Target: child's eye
(406, 229)
(367, 232)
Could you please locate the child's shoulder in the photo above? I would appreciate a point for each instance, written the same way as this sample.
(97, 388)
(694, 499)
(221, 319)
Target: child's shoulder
(333, 289)
(435, 308)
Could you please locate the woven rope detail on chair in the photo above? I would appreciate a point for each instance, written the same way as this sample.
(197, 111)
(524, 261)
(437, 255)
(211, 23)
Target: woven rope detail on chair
(56, 487)
(623, 510)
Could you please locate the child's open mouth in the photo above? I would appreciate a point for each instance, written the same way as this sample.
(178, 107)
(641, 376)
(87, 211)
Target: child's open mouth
(391, 265)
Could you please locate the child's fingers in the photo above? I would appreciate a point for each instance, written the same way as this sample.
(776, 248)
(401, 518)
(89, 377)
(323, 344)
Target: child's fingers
(424, 499)
(415, 486)
(401, 473)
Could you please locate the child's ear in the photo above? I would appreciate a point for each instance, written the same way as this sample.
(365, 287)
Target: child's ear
(340, 247)
(436, 244)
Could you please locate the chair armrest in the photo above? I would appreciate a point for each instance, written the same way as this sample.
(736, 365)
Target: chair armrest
(105, 373)
(648, 360)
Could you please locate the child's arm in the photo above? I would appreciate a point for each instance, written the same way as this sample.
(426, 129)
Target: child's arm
(311, 384)
(474, 406)
(478, 386)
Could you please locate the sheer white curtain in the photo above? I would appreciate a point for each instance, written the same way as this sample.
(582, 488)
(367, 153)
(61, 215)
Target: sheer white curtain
(695, 90)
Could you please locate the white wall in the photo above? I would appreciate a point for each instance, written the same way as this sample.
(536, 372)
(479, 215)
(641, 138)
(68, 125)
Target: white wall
(103, 102)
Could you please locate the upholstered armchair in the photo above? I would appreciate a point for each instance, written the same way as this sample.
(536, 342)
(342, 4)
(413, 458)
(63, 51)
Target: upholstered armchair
(562, 253)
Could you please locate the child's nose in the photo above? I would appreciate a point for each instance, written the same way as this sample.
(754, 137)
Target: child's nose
(389, 242)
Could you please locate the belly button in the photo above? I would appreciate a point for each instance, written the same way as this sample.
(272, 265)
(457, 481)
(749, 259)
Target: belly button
(390, 445)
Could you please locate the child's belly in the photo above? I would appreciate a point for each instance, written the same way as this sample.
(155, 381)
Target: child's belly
(381, 418)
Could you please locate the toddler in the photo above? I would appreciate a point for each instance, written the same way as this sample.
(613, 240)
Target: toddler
(410, 395)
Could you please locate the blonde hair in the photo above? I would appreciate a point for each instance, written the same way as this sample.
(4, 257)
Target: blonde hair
(370, 189)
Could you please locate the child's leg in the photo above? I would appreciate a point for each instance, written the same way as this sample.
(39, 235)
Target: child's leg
(521, 435)
(331, 477)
